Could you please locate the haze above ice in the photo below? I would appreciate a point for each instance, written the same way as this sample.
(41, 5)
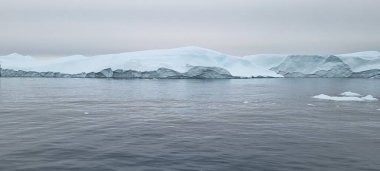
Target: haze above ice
(48, 28)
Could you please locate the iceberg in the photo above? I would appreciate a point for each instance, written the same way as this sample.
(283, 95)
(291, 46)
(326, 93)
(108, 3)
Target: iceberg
(196, 72)
(181, 60)
(178, 59)
(356, 65)
(345, 98)
(369, 98)
(369, 55)
(362, 61)
(313, 66)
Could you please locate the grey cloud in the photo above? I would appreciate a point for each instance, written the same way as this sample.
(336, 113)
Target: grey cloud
(239, 27)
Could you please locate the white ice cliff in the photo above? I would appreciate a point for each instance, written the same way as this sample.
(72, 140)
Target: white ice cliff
(182, 60)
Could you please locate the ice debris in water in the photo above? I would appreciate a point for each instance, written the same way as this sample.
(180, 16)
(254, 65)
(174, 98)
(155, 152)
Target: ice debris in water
(86, 113)
(245, 102)
(345, 98)
(350, 94)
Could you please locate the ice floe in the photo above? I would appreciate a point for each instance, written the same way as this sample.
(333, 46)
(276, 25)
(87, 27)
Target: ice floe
(346, 96)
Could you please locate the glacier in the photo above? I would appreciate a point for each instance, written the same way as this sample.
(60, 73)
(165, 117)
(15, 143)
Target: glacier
(362, 61)
(313, 66)
(332, 66)
(194, 62)
(178, 59)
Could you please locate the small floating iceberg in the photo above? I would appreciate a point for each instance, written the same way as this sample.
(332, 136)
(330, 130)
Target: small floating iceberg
(346, 96)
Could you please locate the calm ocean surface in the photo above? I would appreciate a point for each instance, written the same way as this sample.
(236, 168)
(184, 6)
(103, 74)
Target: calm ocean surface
(256, 124)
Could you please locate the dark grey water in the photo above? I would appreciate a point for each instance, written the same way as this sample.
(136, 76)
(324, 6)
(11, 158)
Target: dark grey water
(259, 124)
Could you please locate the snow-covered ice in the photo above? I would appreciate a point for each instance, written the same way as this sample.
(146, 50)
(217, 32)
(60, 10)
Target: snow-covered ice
(182, 59)
(369, 55)
(178, 59)
(361, 61)
(350, 94)
(369, 98)
(345, 98)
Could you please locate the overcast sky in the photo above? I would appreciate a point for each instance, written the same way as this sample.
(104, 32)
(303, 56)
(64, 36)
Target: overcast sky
(238, 27)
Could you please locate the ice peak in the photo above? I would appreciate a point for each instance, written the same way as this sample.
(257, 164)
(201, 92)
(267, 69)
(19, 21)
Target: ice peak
(333, 58)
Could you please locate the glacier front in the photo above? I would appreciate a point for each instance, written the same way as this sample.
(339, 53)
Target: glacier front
(193, 62)
(179, 59)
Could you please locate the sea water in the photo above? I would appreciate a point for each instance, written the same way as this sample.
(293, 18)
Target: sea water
(252, 124)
